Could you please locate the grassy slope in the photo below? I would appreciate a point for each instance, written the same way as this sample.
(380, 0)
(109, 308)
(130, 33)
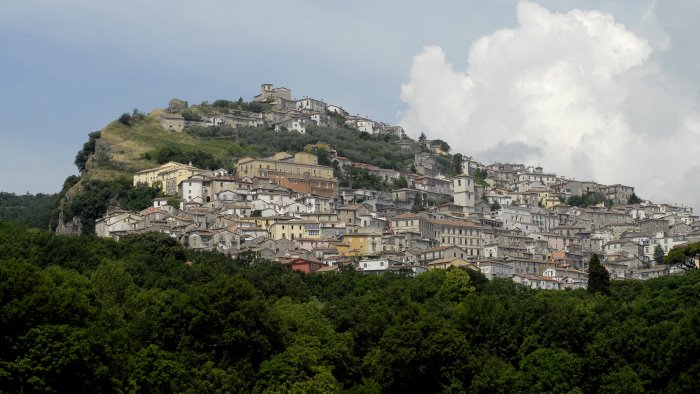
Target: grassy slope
(129, 144)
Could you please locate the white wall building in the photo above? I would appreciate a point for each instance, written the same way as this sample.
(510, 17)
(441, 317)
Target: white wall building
(464, 191)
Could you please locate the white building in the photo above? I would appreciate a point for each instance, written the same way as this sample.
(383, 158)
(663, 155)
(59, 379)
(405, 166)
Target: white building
(192, 189)
(337, 110)
(309, 104)
(495, 269)
(464, 191)
(376, 265)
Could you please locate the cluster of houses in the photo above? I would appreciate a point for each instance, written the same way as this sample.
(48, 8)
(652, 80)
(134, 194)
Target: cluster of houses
(285, 113)
(290, 209)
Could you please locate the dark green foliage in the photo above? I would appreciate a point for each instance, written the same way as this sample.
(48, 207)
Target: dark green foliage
(95, 196)
(633, 199)
(125, 119)
(33, 210)
(685, 255)
(82, 314)
(417, 205)
(359, 178)
(443, 145)
(399, 183)
(598, 277)
(658, 254)
(457, 160)
(191, 115)
(495, 206)
(240, 105)
(446, 165)
(82, 156)
(377, 150)
(480, 177)
(197, 157)
(587, 200)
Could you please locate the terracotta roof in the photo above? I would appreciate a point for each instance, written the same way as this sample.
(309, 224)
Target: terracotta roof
(437, 249)
(351, 207)
(452, 223)
(407, 215)
(150, 210)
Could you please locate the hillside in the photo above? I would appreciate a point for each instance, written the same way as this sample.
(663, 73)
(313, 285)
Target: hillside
(138, 141)
(124, 149)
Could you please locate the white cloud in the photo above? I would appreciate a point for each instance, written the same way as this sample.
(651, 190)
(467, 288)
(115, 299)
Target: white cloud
(576, 92)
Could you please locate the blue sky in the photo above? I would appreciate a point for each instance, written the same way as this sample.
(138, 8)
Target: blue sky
(69, 67)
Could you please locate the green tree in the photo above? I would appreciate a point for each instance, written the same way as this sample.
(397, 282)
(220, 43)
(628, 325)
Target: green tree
(83, 155)
(624, 380)
(589, 199)
(422, 137)
(686, 256)
(495, 206)
(34, 210)
(633, 199)
(174, 202)
(480, 178)
(457, 160)
(598, 277)
(400, 183)
(417, 203)
(443, 145)
(551, 371)
(125, 119)
(457, 285)
(658, 254)
(154, 370)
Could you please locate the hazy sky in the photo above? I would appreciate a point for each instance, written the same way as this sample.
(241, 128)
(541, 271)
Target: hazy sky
(602, 90)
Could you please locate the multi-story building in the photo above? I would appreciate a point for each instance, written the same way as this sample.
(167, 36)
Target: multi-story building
(167, 176)
(295, 229)
(405, 223)
(284, 163)
(463, 234)
(368, 243)
(617, 193)
(309, 104)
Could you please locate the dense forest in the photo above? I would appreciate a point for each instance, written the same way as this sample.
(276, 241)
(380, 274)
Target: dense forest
(96, 196)
(83, 314)
(36, 210)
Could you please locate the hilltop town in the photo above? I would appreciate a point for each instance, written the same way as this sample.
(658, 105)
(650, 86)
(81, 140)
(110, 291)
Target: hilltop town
(507, 220)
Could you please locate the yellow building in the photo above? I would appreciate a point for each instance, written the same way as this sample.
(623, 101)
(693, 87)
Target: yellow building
(284, 163)
(168, 176)
(265, 223)
(367, 244)
(295, 229)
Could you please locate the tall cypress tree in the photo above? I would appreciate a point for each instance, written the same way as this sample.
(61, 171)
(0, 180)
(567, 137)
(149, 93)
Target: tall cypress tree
(658, 254)
(598, 277)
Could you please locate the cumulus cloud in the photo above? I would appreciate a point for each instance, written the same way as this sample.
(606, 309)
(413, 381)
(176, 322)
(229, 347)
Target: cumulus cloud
(576, 92)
